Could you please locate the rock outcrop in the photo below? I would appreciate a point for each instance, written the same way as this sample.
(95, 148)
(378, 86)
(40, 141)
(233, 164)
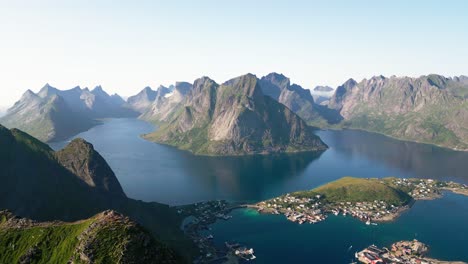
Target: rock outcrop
(108, 237)
(83, 161)
(430, 109)
(234, 118)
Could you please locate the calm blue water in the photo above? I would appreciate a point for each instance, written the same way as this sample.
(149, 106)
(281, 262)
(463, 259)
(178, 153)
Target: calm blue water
(153, 172)
(441, 223)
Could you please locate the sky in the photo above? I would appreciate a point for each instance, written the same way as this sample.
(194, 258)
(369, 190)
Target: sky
(127, 45)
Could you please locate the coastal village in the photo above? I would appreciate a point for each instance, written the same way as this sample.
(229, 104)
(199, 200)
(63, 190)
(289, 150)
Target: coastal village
(314, 209)
(402, 252)
(196, 225)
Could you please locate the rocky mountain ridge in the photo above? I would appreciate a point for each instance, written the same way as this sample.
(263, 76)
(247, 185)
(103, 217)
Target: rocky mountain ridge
(231, 119)
(428, 109)
(53, 114)
(108, 237)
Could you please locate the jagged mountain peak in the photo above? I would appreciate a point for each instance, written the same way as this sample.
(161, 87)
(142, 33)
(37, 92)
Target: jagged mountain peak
(147, 89)
(98, 91)
(47, 90)
(231, 119)
(80, 157)
(349, 83)
(247, 84)
(28, 94)
(277, 78)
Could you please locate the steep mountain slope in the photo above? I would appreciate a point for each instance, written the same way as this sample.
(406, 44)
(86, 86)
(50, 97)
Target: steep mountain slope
(107, 237)
(141, 101)
(52, 114)
(73, 184)
(48, 118)
(166, 101)
(82, 160)
(298, 99)
(232, 119)
(427, 109)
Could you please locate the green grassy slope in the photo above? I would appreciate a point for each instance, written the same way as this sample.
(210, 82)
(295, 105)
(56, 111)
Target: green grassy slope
(349, 189)
(105, 238)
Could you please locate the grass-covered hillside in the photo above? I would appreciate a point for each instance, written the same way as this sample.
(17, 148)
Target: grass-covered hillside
(108, 237)
(349, 189)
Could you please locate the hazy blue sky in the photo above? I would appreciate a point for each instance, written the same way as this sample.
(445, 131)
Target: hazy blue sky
(126, 45)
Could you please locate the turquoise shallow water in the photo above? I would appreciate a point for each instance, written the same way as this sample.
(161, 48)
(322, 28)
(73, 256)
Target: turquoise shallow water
(440, 223)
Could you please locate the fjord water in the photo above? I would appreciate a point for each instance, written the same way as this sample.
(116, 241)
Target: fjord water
(154, 172)
(439, 223)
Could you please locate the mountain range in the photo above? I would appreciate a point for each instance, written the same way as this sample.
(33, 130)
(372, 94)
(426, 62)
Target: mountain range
(429, 109)
(233, 118)
(52, 114)
(72, 184)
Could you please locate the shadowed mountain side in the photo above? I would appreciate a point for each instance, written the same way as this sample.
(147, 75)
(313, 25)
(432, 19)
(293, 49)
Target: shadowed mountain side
(36, 184)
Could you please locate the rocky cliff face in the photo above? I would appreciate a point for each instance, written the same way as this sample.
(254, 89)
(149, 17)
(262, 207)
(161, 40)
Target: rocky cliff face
(425, 109)
(83, 161)
(298, 99)
(166, 101)
(232, 119)
(142, 100)
(53, 114)
(106, 237)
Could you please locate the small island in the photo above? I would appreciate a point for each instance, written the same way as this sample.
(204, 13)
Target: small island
(399, 252)
(369, 200)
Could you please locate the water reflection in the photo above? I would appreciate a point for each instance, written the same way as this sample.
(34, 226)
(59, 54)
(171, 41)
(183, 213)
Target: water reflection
(153, 172)
(414, 159)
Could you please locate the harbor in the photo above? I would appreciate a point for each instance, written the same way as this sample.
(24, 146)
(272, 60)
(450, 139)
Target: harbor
(196, 225)
(402, 252)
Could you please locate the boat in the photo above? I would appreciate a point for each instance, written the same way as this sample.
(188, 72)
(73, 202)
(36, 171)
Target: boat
(368, 222)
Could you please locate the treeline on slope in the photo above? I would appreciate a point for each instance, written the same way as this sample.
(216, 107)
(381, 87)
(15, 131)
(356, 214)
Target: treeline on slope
(72, 184)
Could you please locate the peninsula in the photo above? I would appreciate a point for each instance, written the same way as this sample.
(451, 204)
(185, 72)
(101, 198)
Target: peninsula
(369, 200)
